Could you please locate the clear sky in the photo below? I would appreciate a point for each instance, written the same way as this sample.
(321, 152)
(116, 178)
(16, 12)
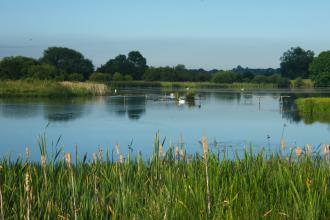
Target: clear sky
(198, 33)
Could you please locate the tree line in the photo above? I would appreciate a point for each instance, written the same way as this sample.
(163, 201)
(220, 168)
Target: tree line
(59, 63)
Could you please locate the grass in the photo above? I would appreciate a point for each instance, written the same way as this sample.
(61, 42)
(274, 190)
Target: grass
(50, 89)
(171, 185)
(314, 109)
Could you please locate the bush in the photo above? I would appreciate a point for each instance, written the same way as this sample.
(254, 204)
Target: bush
(226, 77)
(128, 78)
(283, 83)
(100, 77)
(75, 77)
(43, 72)
(299, 83)
(117, 77)
(260, 79)
(322, 80)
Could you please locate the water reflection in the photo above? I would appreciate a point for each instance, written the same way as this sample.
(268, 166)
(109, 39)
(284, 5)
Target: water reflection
(132, 106)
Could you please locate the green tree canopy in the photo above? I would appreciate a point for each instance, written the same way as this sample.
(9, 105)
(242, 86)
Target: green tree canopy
(119, 64)
(226, 77)
(320, 69)
(295, 62)
(134, 64)
(43, 71)
(15, 67)
(69, 60)
(138, 64)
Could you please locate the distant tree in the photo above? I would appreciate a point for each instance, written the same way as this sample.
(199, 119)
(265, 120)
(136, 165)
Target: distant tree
(226, 77)
(117, 77)
(248, 75)
(138, 63)
(68, 60)
(43, 72)
(283, 82)
(260, 79)
(295, 62)
(118, 64)
(76, 77)
(15, 67)
(127, 78)
(100, 77)
(320, 69)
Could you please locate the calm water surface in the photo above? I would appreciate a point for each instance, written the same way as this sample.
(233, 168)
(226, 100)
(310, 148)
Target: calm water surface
(231, 119)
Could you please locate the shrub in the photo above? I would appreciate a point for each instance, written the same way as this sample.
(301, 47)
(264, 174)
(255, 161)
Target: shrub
(75, 77)
(226, 77)
(100, 77)
(117, 77)
(128, 78)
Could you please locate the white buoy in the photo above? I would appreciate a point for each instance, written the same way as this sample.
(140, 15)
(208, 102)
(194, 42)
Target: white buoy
(115, 91)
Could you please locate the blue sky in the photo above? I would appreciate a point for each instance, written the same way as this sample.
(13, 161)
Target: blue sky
(198, 33)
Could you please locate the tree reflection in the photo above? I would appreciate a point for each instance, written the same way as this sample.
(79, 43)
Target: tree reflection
(133, 106)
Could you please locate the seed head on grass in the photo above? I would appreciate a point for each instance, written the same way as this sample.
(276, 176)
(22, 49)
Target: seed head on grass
(283, 144)
(161, 152)
(309, 148)
(43, 161)
(298, 151)
(68, 161)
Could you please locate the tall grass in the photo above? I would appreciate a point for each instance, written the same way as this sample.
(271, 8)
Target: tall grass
(171, 185)
(50, 89)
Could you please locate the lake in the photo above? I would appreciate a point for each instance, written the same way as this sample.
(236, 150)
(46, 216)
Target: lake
(229, 119)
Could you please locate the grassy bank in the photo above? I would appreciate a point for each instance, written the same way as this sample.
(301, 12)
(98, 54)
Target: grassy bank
(314, 109)
(206, 85)
(170, 185)
(50, 89)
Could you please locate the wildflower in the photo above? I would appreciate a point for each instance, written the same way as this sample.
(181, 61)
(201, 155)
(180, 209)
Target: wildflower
(298, 151)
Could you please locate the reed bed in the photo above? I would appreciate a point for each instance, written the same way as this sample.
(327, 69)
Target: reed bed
(50, 89)
(170, 185)
(314, 109)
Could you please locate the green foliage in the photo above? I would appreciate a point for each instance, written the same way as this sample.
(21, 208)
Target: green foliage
(135, 65)
(68, 60)
(320, 69)
(43, 72)
(76, 77)
(299, 83)
(314, 109)
(295, 63)
(226, 77)
(14, 68)
(167, 186)
(176, 74)
(138, 63)
(128, 78)
(283, 82)
(117, 77)
(100, 77)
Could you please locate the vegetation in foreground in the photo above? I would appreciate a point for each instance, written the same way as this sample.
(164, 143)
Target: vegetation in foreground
(170, 185)
(50, 89)
(314, 109)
